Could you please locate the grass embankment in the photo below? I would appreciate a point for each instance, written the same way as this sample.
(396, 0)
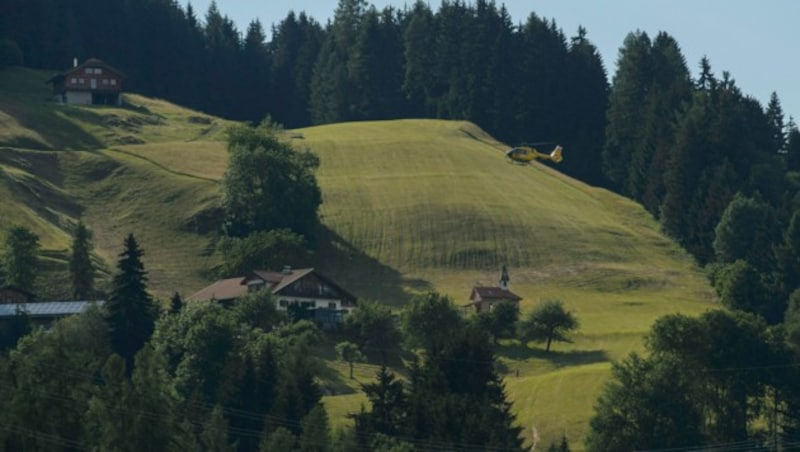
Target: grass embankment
(408, 206)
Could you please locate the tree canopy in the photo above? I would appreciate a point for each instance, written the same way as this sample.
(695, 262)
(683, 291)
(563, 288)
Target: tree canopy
(548, 322)
(268, 184)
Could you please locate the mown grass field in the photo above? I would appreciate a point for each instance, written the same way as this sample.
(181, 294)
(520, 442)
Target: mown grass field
(408, 206)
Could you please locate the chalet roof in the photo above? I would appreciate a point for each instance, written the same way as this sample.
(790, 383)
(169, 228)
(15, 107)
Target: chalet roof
(47, 308)
(481, 293)
(91, 62)
(224, 289)
(227, 289)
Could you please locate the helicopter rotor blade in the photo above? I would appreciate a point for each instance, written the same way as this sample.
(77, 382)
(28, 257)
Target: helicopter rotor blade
(538, 143)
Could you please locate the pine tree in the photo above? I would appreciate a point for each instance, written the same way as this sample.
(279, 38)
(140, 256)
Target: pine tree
(131, 310)
(81, 268)
(294, 48)
(776, 124)
(19, 260)
(585, 125)
(627, 101)
(175, 303)
(419, 85)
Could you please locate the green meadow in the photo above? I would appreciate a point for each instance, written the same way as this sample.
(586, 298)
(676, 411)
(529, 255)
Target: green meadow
(408, 206)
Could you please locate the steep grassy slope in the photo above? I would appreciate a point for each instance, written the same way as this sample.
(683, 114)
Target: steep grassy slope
(409, 206)
(59, 163)
(435, 202)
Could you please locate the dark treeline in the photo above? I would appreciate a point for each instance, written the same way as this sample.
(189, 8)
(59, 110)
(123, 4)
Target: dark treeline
(520, 82)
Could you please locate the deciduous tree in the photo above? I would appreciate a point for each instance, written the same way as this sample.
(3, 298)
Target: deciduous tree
(268, 184)
(262, 250)
(349, 353)
(428, 319)
(547, 323)
(373, 327)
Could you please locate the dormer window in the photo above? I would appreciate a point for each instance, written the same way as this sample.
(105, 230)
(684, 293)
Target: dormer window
(88, 70)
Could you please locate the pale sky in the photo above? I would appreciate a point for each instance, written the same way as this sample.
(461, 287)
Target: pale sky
(756, 41)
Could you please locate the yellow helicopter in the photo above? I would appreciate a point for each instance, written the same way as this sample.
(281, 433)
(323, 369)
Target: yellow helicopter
(526, 154)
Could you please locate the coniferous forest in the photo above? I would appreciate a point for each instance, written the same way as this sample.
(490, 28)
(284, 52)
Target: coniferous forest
(719, 171)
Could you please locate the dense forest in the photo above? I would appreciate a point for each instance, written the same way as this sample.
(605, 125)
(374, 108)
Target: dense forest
(719, 171)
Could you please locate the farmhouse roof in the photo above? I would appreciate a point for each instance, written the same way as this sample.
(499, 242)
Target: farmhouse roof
(480, 293)
(224, 289)
(227, 289)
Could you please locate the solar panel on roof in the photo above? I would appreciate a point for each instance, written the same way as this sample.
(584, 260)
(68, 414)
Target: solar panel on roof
(47, 308)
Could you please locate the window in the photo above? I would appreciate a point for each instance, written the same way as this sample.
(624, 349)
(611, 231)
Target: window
(98, 70)
(105, 81)
(88, 70)
(80, 81)
(113, 81)
(73, 80)
(283, 303)
(308, 304)
(332, 305)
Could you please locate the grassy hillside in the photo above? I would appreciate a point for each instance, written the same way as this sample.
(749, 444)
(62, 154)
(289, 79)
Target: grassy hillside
(408, 206)
(60, 163)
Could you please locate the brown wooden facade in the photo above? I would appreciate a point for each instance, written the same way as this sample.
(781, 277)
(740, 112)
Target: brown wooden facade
(93, 82)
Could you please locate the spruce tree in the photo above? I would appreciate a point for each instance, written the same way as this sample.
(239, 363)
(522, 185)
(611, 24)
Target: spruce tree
(19, 260)
(81, 269)
(131, 311)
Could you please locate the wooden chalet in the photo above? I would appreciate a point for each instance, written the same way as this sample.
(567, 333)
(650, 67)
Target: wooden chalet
(92, 83)
(305, 288)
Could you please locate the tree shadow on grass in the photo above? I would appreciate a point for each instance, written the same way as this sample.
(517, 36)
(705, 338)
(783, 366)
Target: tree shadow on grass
(519, 352)
(362, 275)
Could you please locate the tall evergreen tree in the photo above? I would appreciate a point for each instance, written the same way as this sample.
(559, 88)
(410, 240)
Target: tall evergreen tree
(333, 86)
(131, 310)
(626, 106)
(542, 84)
(256, 73)
(420, 85)
(81, 268)
(588, 101)
(20, 258)
(776, 124)
(293, 50)
(792, 146)
(456, 397)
